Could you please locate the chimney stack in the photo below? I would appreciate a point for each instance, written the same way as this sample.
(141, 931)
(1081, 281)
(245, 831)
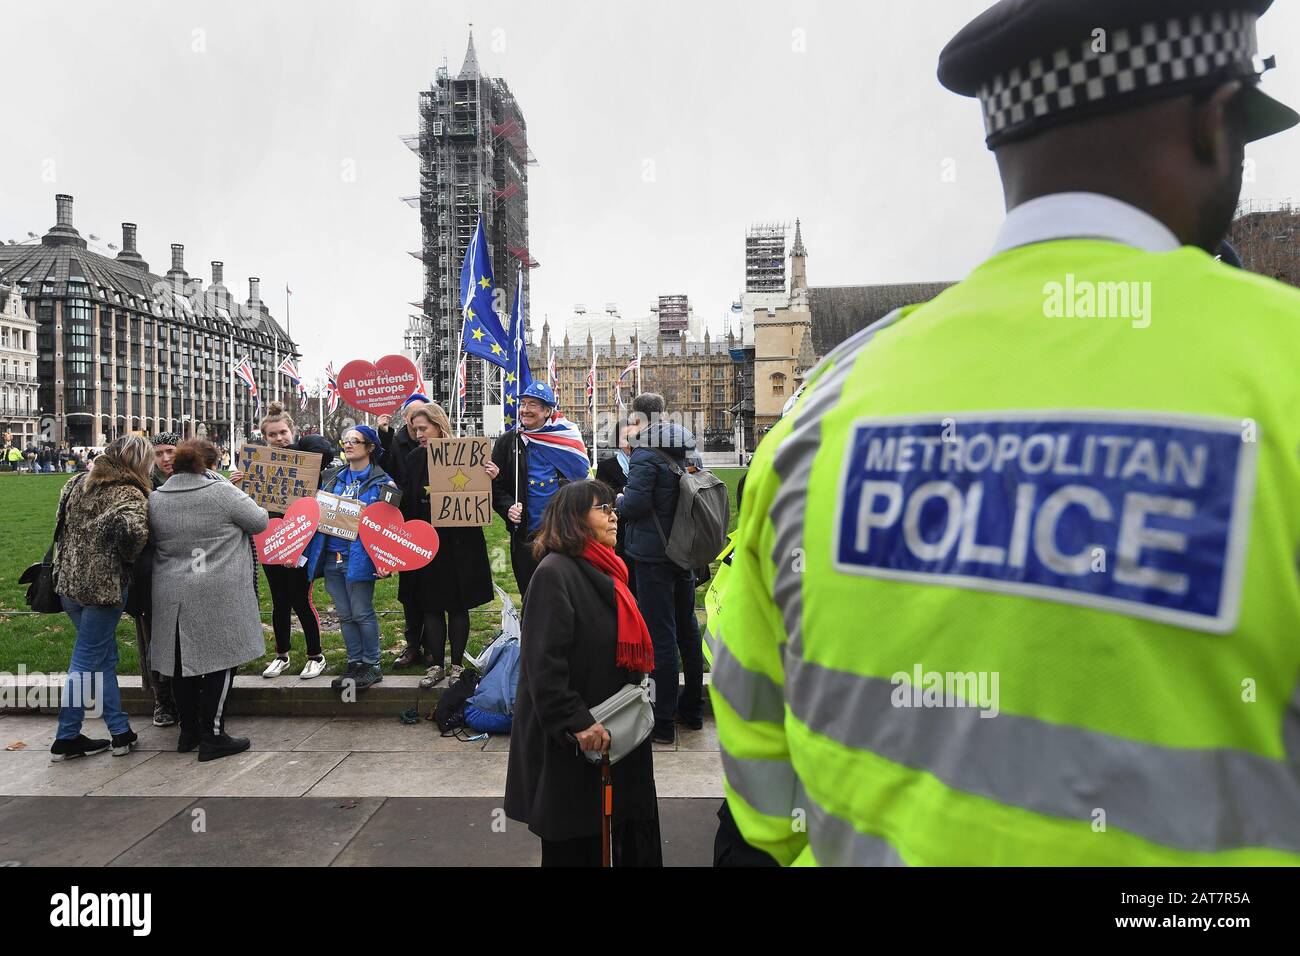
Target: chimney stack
(254, 295)
(218, 272)
(129, 254)
(178, 260)
(62, 232)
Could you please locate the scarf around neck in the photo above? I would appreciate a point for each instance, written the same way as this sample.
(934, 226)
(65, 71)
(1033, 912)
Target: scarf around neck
(635, 650)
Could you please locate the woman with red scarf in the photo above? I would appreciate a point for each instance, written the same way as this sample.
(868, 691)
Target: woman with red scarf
(582, 639)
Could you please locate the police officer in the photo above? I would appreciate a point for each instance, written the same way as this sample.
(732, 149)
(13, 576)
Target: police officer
(1015, 580)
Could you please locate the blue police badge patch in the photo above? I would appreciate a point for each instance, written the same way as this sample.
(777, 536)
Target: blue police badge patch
(1142, 513)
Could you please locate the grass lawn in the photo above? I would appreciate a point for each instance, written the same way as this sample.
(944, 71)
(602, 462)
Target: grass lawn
(43, 642)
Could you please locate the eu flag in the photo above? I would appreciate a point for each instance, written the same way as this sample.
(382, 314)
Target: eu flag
(482, 333)
(517, 377)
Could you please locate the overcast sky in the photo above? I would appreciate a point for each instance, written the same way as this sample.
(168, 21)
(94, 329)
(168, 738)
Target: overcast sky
(265, 133)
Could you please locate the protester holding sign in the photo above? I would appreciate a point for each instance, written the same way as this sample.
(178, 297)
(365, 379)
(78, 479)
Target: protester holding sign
(459, 577)
(337, 554)
(398, 443)
(290, 587)
(206, 621)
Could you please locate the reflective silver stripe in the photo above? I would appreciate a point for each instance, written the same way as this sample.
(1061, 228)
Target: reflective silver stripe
(793, 463)
(835, 842)
(769, 786)
(221, 701)
(1195, 800)
(752, 695)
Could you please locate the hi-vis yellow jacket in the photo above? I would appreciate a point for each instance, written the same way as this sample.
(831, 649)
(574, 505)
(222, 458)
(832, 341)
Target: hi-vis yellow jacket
(1015, 582)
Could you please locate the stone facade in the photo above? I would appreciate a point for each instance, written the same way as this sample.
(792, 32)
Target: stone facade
(121, 349)
(19, 403)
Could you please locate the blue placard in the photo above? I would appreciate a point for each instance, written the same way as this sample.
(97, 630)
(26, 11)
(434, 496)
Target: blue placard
(1142, 513)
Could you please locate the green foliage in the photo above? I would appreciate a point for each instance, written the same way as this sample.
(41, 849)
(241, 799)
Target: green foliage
(43, 642)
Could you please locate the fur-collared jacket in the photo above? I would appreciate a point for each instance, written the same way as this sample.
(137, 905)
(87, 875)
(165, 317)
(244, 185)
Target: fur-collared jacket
(105, 527)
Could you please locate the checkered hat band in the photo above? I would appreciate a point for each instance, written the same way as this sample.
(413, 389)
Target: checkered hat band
(1120, 63)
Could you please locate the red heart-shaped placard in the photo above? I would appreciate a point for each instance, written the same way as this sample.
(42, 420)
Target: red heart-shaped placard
(378, 387)
(285, 539)
(394, 544)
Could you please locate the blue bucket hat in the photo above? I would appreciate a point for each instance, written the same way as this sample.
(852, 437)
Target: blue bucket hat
(540, 391)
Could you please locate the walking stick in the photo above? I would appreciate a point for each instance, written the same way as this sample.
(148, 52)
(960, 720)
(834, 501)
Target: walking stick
(607, 811)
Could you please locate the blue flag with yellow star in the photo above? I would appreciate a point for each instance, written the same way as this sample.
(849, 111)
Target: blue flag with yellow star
(518, 377)
(482, 336)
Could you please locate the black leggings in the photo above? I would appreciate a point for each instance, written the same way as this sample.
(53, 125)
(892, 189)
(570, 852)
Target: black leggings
(437, 625)
(201, 701)
(291, 591)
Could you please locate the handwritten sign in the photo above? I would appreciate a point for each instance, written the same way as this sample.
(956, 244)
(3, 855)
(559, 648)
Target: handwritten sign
(285, 539)
(394, 544)
(460, 491)
(378, 387)
(277, 477)
(339, 516)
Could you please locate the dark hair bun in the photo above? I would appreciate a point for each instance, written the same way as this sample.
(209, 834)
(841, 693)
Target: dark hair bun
(193, 456)
(275, 408)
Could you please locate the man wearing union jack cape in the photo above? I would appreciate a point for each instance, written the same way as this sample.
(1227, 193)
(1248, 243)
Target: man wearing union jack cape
(534, 459)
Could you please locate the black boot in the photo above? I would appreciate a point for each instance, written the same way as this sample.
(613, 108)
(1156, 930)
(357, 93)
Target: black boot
(224, 745)
(188, 740)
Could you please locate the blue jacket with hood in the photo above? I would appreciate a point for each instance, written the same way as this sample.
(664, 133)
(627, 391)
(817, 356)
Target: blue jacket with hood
(652, 488)
(360, 567)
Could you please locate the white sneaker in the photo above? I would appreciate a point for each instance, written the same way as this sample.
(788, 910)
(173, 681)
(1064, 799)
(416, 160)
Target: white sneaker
(313, 669)
(276, 667)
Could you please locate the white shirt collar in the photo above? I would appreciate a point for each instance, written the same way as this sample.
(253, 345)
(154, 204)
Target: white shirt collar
(1083, 216)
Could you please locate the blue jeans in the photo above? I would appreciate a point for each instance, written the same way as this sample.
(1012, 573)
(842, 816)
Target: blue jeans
(666, 596)
(94, 660)
(355, 603)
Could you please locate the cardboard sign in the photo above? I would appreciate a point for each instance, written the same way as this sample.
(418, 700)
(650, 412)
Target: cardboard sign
(394, 544)
(339, 516)
(277, 477)
(460, 491)
(285, 539)
(378, 387)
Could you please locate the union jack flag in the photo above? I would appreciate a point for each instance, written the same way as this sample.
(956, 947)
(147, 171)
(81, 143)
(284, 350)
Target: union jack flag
(460, 383)
(331, 387)
(560, 443)
(244, 372)
(632, 366)
(290, 371)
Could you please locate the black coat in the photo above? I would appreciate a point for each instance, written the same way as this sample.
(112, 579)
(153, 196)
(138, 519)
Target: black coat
(503, 486)
(569, 637)
(459, 577)
(651, 490)
(398, 444)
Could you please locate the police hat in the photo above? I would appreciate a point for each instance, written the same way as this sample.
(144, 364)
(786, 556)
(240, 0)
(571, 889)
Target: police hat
(1034, 64)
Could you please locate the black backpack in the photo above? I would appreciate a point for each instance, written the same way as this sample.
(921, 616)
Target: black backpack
(450, 712)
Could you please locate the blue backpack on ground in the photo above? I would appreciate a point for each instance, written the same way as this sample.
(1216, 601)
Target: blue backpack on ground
(492, 707)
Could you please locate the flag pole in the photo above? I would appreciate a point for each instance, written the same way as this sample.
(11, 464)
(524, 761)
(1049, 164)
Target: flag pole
(320, 404)
(519, 300)
(638, 361)
(593, 405)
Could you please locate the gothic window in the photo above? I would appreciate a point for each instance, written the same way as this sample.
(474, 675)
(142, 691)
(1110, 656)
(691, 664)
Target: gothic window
(778, 384)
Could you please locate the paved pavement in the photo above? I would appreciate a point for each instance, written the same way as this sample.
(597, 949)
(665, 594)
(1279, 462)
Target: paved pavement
(312, 791)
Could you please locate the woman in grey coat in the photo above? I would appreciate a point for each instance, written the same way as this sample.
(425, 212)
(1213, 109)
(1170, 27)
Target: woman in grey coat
(205, 615)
